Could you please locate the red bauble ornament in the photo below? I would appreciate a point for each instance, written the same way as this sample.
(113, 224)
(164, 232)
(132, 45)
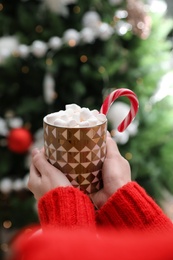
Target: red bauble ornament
(19, 140)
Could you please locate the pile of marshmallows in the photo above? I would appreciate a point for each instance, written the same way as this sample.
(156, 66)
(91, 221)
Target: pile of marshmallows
(76, 116)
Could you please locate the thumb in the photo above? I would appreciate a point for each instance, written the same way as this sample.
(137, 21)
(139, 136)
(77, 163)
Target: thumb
(111, 148)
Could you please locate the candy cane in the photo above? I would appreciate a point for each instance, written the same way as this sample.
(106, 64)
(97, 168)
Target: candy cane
(133, 109)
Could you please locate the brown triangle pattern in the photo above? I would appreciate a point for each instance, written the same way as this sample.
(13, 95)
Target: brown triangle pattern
(79, 153)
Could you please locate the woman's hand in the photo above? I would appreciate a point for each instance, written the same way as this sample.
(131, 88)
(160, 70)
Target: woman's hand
(44, 176)
(116, 173)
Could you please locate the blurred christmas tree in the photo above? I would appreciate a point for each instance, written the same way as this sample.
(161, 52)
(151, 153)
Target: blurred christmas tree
(73, 51)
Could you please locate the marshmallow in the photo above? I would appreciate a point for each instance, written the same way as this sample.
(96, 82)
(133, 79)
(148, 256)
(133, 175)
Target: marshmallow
(95, 112)
(72, 123)
(92, 121)
(85, 114)
(74, 107)
(69, 112)
(52, 117)
(64, 117)
(84, 124)
(60, 122)
(101, 117)
(75, 116)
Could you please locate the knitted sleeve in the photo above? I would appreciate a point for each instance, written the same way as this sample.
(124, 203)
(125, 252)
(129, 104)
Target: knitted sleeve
(66, 207)
(131, 207)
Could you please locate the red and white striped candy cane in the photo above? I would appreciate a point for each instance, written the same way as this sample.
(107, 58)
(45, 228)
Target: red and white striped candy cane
(133, 109)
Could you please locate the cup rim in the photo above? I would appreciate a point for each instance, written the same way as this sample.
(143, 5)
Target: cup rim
(66, 127)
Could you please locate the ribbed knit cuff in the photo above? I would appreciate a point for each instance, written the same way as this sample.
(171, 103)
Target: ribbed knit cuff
(131, 207)
(66, 207)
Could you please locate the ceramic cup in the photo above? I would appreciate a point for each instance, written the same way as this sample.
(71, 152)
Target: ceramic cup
(77, 152)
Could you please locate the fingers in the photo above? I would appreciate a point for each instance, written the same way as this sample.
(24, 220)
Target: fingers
(40, 162)
(34, 177)
(44, 167)
(35, 151)
(111, 147)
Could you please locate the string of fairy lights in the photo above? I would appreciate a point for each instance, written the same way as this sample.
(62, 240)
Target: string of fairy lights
(93, 28)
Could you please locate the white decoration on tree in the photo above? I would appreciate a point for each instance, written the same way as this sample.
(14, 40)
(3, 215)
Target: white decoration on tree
(23, 51)
(15, 122)
(58, 6)
(105, 31)
(87, 35)
(121, 138)
(117, 112)
(8, 45)
(164, 89)
(133, 128)
(49, 88)
(3, 127)
(122, 27)
(38, 48)
(25, 181)
(93, 28)
(121, 14)
(6, 185)
(18, 185)
(91, 19)
(55, 43)
(158, 6)
(71, 37)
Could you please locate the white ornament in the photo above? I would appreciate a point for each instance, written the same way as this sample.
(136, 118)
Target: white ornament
(133, 128)
(23, 51)
(55, 43)
(117, 112)
(25, 181)
(8, 45)
(71, 37)
(158, 6)
(105, 31)
(17, 185)
(49, 88)
(4, 54)
(3, 127)
(87, 35)
(58, 6)
(6, 185)
(91, 19)
(39, 48)
(122, 27)
(121, 138)
(121, 14)
(15, 122)
(164, 89)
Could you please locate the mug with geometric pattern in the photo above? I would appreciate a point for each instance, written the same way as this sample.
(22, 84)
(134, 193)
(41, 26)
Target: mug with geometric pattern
(77, 152)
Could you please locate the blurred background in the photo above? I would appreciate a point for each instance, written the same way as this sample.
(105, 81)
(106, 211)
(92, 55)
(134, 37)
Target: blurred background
(57, 52)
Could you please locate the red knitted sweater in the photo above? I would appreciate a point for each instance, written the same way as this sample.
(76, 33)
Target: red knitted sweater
(129, 208)
(72, 216)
